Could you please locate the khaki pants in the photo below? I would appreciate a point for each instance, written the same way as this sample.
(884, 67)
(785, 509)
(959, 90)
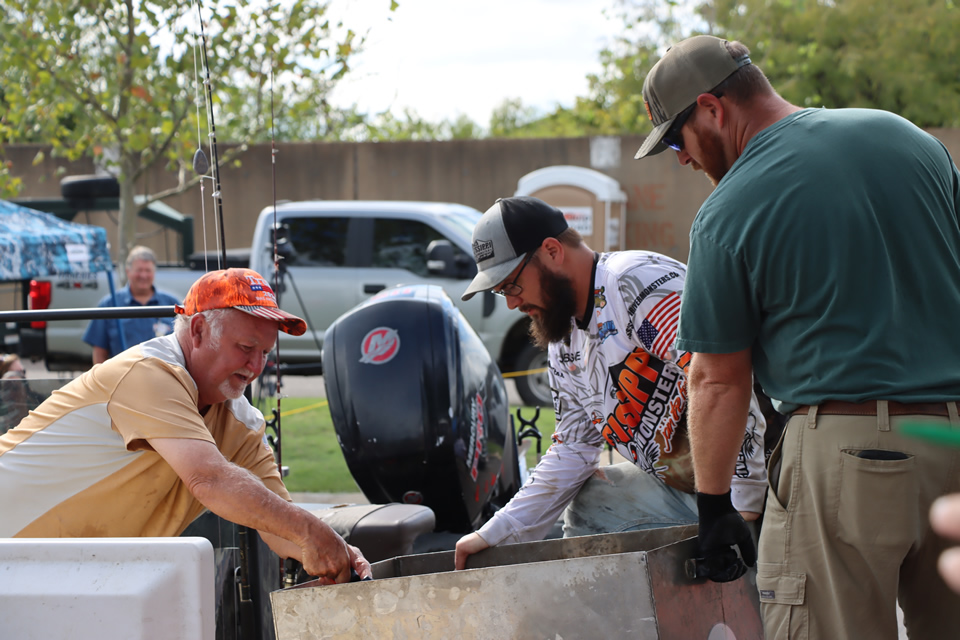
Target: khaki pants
(845, 535)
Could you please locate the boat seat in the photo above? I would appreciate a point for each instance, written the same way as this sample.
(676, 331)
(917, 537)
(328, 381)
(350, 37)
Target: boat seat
(380, 531)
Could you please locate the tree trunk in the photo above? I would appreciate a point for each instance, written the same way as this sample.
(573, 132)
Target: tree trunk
(127, 222)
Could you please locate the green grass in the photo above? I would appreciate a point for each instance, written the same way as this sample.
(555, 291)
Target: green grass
(311, 450)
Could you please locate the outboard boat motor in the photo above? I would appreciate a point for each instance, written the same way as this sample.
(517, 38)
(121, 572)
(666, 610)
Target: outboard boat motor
(420, 408)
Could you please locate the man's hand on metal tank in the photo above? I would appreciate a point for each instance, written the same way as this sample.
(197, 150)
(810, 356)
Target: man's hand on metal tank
(360, 567)
(722, 531)
(466, 547)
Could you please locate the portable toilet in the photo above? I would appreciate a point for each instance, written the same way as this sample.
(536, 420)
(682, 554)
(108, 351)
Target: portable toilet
(593, 202)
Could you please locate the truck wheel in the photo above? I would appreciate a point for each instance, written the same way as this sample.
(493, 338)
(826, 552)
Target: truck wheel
(534, 389)
(89, 187)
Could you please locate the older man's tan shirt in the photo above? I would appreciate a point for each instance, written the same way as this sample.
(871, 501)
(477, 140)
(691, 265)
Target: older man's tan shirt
(80, 465)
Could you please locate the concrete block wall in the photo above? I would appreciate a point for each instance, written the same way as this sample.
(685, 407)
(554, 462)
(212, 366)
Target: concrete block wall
(662, 196)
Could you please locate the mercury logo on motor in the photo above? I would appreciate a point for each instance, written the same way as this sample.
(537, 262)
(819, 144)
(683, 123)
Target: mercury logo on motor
(379, 346)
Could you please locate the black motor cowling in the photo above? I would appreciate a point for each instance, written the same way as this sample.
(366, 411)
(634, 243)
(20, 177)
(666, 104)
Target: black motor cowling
(420, 408)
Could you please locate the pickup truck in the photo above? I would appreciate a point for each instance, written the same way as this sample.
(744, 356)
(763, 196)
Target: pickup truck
(336, 254)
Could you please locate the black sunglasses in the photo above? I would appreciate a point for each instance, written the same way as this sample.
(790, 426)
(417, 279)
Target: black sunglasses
(673, 138)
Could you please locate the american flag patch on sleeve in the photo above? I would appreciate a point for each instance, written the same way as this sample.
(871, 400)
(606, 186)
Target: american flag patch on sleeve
(659, 328)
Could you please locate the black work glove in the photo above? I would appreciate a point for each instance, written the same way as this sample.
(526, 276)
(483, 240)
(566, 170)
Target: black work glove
(721, 528)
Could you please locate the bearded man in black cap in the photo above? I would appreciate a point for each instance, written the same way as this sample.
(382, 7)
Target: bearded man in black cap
(608, 322)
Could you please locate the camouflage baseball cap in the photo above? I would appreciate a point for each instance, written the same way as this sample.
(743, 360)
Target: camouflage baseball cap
(242, 289)
(690, 67)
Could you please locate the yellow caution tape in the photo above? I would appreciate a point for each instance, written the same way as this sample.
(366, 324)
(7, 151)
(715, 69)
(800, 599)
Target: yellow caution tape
(517, 374)
(294, 412)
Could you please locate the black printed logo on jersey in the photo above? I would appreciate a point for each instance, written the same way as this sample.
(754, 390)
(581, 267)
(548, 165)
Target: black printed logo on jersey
(650, 288)
(747, 448)
(557, 372)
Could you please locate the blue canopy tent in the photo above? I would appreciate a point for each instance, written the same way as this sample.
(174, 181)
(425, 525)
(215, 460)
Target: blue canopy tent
(34, 244)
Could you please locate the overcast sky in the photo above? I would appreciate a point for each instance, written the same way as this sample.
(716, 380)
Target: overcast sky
(448, 57)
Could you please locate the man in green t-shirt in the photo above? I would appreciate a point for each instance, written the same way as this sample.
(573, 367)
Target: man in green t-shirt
(826, 263)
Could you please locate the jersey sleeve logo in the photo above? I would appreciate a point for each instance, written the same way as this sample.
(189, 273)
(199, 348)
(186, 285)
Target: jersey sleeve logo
(606, 329)
(658, 331)
(599, 299)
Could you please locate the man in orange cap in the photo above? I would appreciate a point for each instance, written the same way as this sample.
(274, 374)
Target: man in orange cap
(142, 444)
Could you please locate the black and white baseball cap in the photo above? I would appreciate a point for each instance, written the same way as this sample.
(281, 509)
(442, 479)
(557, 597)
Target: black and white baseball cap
(506, 232)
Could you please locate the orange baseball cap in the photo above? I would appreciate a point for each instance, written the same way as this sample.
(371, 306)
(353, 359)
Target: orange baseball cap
(242, 289)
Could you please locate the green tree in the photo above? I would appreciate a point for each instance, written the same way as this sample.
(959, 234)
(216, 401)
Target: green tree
(407, 126)
(124, 80)
(510, 119)
(902, 56)
(614, 105)
(614, 102)
(463, 128)
(9, 185)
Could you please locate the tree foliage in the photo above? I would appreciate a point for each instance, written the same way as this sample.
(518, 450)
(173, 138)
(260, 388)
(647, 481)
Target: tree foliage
(116, 78)
(122, 80)
(614, 103)
(514, 119)
(902, 56)
(407, 126)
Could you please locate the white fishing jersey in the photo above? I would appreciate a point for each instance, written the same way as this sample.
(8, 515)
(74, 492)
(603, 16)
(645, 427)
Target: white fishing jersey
(618, 380)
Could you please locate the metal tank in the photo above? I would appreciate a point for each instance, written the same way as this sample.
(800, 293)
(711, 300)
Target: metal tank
(616, 585)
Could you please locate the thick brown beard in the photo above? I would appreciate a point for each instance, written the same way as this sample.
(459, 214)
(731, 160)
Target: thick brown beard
(559, 307)
(714, 164)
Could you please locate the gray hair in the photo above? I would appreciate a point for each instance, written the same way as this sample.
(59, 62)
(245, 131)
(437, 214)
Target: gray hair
(141, 252)
(214, 319)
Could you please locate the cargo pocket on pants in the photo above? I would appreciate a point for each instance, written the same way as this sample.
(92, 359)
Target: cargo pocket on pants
(781, 602)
